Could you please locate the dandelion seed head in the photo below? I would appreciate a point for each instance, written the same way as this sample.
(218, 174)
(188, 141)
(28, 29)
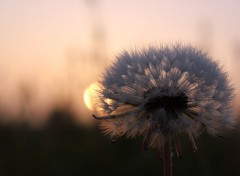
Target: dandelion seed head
(164, 92)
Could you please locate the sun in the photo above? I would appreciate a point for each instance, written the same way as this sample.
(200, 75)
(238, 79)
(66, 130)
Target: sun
(90, 95)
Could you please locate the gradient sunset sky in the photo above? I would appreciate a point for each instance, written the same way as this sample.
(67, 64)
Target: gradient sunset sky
(53, 47)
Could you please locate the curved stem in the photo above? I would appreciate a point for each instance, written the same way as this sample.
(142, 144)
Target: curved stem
(117, 115)
(167, 157)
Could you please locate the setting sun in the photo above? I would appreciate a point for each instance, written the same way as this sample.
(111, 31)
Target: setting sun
(89, 95)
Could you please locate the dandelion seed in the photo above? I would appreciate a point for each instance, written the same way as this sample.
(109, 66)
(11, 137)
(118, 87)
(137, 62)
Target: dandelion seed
(162, 93)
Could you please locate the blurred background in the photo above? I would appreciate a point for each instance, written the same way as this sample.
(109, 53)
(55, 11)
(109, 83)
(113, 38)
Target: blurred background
(52, 53)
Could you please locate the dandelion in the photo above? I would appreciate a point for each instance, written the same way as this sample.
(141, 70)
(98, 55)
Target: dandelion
(163, 92)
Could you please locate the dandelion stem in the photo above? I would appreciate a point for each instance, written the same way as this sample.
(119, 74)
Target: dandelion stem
(167, 157)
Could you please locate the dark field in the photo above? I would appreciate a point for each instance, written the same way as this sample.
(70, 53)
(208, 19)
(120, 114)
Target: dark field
(62, 148)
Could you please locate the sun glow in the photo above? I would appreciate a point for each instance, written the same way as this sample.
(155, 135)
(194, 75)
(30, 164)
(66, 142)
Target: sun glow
(90, 95)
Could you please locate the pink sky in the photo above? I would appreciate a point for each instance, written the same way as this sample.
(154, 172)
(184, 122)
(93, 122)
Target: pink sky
(46, 45)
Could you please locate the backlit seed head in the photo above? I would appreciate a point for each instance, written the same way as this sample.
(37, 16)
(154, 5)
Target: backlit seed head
(164, 92)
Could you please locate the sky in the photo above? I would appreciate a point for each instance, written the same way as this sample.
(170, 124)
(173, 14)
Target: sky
(52, 50)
